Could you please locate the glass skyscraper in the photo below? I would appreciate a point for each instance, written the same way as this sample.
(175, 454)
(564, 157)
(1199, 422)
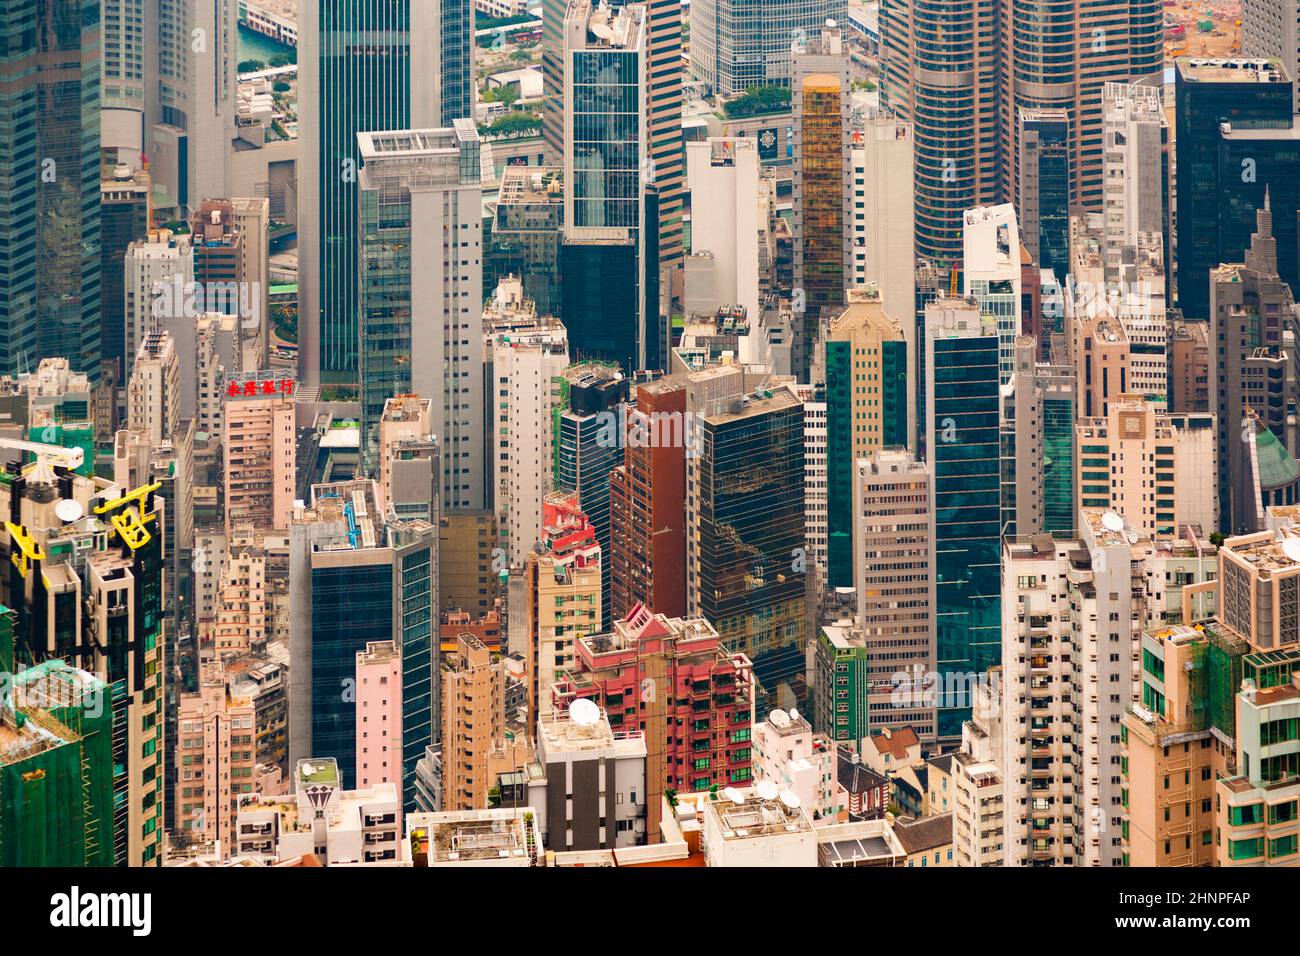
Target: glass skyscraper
(962, 435)
(738, 44)
(49, 195)
(364, 65)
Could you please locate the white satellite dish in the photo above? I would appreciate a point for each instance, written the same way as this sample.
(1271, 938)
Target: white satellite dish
(584, 713)
(766, 789)
(790, 799)
(794, 714)
(735, 796)
(1112, 521)
(69, 510)
(1291, 548)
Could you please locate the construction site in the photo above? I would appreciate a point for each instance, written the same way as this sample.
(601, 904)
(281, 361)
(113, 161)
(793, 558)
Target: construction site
(1202, 28)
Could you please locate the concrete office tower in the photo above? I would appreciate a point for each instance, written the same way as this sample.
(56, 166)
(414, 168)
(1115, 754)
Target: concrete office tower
(379, 714)
(991, 274)
(49, 203)
(609, 260)
(1189, 365)
(402, 90)
(159, 274)
(1073, 614)
(1044, 200)
(647, 546)
(1248, 302)
(738, 46)
(726, 220)
(1156, 470)
(92, 592)
(420, 291)
(962, 435)
(558, 598)
(525, 364)
(745, 524)
(593, 793)
(410, 477)
(1062, 60)
(884, 215)
(1136, 167)
(232, 267)
(153, 394)
(124, 218)
(355, 578)
(823, 187)
(1044, 405)
(893, 536)
(939, 72)
(666, 164)
(260, 454)
(1253, 97)
(867, 408)
(1270, 29)
(651, 671)
(473, 716)
(217, 758)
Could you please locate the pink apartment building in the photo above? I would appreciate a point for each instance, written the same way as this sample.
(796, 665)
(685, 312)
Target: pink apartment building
(379, 715)
(260, 451)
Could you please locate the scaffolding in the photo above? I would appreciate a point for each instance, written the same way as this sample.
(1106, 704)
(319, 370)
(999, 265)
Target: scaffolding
(1223, 654)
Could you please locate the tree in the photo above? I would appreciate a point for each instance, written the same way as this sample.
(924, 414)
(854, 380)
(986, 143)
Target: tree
(757, 101)
(251, 66)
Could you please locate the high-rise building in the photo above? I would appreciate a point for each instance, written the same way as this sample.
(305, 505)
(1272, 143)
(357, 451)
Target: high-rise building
(260, 451)
(893, 536)
(91, 592)
(1255, 99)
(1155, 469)
(355, 578)
(526, 358)
(676, 682)
(1044, 198)
(401, 87)
(410, 481)
(991, 274)
(610, 259)
(159, 272)
(745, 534)
(232, 267)
(1189, 365)
(1270, 30)
(153, 400)
(379, 714)
(56, 765)
(420, 291)
(124, 218)
(1041, 499)
(841, 682)
(1136, 164)
(725, 229)
(1248, 303)
(866, 375)
(965, 75)
(49, 204)
(823, 187)
(556, 597)
(527, 231)
(473, 716)
(647, 538)
(590, 425)
(883, 226)
(738, 46)
(962, 435)
(939, 71)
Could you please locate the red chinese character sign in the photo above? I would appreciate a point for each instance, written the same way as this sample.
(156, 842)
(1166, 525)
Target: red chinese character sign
(260, 385)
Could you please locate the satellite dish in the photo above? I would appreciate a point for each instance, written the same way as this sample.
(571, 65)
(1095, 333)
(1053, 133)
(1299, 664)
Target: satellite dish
(1112, 521)
(584, 713)
(794, 714)
(790, 799)
(735, 796)
(1291, 548)
(766, 789)
(69, 510)
(779, 718)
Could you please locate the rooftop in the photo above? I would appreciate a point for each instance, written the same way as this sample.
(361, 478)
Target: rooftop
(926, 833)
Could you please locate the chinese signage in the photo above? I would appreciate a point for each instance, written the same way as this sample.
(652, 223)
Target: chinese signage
(260, 385)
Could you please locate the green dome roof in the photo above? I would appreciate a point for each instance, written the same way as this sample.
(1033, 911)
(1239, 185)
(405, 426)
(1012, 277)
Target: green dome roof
(1277, 467)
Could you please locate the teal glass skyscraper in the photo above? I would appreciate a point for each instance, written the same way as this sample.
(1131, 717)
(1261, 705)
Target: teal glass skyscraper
(364, 66)
(962, 433)
(49, 195)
